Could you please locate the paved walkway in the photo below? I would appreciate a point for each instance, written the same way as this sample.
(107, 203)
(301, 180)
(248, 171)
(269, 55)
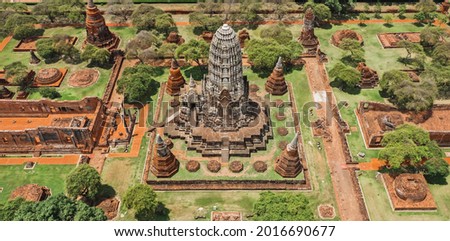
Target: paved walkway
(345, 189)
(63, 160)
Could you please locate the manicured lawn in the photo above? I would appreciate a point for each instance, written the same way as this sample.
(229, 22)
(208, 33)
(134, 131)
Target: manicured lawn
(52, 176)
(380, 209)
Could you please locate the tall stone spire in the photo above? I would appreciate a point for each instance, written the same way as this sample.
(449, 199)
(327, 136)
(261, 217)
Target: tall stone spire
(98, 33)
(164, 163)
(176, 80)
(276, 84)
(289, 164)
(191, 82)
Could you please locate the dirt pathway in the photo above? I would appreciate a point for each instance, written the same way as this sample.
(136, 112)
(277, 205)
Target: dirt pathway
(345, 189)
(63, 160)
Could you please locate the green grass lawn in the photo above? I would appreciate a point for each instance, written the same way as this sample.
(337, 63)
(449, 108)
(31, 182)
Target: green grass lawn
(52, 176)
(377, 201)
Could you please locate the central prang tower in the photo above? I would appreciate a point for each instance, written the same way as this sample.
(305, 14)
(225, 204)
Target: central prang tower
(97, 33)
(219, 117)
(225, 89)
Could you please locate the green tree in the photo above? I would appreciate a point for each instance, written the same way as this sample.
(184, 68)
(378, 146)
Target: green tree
(355, 49)
(377, 10)
(362, 17)
(142, 199)
(195, 50)
(25, 31)
(407, 147)
(441, 54)
(283, 207)
(427, 11)
(391, 79)
(335, 6)
(430, 36)
(60, 11)
(137, 83)
(440, 74)
(16, 20)
(144, 17)
(58, 208)
(401, 11)
(8, 209)
(388, 18)
(209, 7)
(84, 181)
(164, 23)
(167, 49)
(50, 93)
(96, 56)
(436, 168)
(46, 49)
(322, 12)
(347, 74)
(277, 32)
(248, 11)
(263, 53)
(410, 47)
(415, 96)
(282, 8)
(120, 10)
(204, 22)
(142, 41)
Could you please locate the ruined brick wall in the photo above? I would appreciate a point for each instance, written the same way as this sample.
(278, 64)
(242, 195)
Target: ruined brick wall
(42, 108)
(68, 138)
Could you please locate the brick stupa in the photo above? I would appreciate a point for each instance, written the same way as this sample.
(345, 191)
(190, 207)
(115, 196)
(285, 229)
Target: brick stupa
(5, 93)
(164, 163)
(276, 84)
(369, 77)
(98, 33)
(307, 37)
(288, 164)
(176, 80)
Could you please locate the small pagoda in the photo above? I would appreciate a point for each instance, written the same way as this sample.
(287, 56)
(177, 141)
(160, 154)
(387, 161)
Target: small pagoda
(288, 164)
(176, 80)
(243, 36)
(369, 77)
(307, 37)
(33, 58)
(98, 33)
(164, 163)
(175, 38)
(276, 84)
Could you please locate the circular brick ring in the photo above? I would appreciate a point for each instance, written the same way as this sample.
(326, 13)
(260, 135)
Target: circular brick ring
(260, 166)
(280, 116)
(192, 166)
(214, 166)
(282, 131)
(236, 166)
(282, 145)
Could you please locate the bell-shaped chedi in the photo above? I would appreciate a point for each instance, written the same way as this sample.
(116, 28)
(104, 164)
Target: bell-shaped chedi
(288, 164)
(176, 80)
(33, 58)
(164, 163)
(369, 77)
(175, 38)
(98, 33)
(307, 37)
(5, 93)
(276, 84)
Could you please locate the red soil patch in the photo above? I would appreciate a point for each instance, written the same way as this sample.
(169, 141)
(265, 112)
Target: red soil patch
(236, 166)
(213, 166)
(326, 211)
(110, 207)
(84, 78)
(374, 165)
(260, 166)
(282, 131)
(447, 159)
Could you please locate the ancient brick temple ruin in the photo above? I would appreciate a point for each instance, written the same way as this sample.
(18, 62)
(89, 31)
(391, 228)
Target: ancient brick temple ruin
(276, 84)
(164, 163)
(176, 80)
(338, 36)
(175, 38)
(369, 77)
(219, 118)
(288, 164)
(375, 119)
(307, 37)
(98, 33)
(46, 126)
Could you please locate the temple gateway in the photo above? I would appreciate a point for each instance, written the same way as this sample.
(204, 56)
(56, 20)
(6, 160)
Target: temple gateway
(220, 117)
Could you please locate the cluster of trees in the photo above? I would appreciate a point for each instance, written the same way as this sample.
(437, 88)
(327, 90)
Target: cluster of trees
(138, 83)
(48, 92)
(147, 46)
(149, 18)
(427, 11)
(406, 94)
(276, 41)
(142, 200)
(409, 149)
(283, 207)
(96, 56)
(19, 25)
(57, 47)
(60, 11)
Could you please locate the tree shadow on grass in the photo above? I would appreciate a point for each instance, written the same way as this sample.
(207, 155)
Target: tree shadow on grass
(388, 25)
(196, 71)
(436, 180)
(347, 89)
(162, 212)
